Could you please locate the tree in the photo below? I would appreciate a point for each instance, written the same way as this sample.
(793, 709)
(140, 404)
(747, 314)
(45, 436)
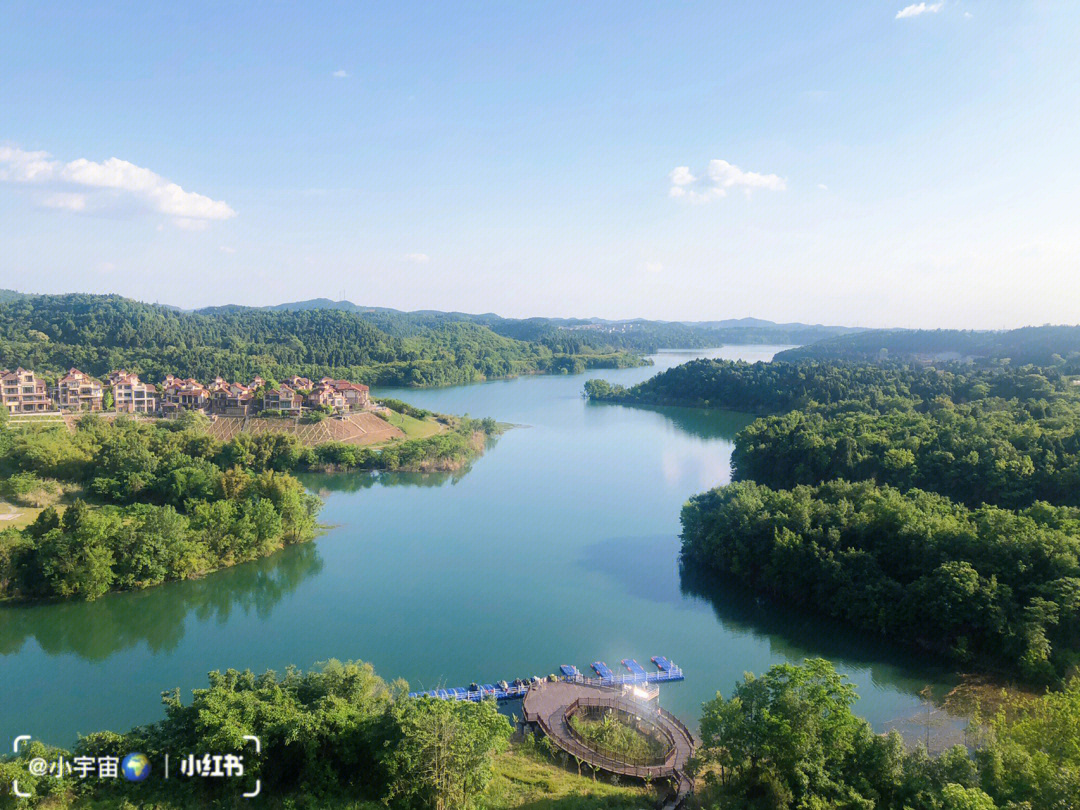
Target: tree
(75, 559)
(785, 737)
(443, 754)
(957, 797)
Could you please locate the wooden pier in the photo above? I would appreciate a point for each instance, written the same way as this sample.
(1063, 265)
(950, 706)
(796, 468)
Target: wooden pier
(549, 705)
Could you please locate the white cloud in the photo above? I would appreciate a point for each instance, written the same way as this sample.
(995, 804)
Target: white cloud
(102, 185)
(823, 187)
(680, 176)
(915, 9)
(719, 177)
(417, 258)
(340, 74)
(652, 267)
(227, 249)
(64, 200)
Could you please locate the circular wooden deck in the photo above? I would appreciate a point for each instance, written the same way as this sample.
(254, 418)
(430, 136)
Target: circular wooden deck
(547, 705)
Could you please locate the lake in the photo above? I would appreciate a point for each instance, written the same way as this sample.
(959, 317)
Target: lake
(559, 545)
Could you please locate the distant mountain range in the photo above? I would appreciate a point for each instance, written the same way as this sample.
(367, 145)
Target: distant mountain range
(701, 333)
(561, 335)
(1037, 345)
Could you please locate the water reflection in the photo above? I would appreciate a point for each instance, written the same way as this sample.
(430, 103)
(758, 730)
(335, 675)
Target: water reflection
(699, 422)
(795, 634)
(354, 481)
(97, 630)
(648, 568)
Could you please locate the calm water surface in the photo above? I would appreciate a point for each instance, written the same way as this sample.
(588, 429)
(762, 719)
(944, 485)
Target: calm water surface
(558, 546)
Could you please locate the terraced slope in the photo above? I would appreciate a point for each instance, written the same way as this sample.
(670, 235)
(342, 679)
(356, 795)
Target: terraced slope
(357, 428)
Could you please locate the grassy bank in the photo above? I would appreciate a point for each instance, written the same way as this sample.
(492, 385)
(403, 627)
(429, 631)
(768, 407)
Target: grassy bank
(527, 778)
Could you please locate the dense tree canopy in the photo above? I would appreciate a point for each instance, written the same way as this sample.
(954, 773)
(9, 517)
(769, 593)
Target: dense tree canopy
(171, 503)
(961, 533)
(777, 387)
(789, 739)
(1005, 452)
(338, 736)
(984, 585)
(1038, 345)
(101, 333)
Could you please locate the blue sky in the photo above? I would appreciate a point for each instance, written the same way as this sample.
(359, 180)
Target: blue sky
(873, 163)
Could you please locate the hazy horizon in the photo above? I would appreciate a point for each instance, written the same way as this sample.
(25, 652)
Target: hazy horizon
(364, 305)
(879, 164)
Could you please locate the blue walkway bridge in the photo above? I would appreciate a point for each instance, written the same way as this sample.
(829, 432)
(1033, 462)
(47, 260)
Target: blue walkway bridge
(513, 690)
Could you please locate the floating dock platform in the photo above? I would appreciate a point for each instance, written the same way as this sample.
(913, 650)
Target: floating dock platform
(513, 690)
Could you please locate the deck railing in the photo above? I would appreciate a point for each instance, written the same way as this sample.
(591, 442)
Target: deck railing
(631, 709)
(593, 757)
(514, 692)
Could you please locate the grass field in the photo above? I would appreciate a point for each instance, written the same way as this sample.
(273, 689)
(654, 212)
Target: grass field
(413, 428)
(25, 515)
(529, 780)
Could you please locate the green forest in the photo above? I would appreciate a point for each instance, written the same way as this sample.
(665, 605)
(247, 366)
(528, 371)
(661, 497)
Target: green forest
(574, 334)
(789, 739)
(777, 387)
(985, 587)
(341, 737)
(1057, 346)
(98, 334)
(149, 502)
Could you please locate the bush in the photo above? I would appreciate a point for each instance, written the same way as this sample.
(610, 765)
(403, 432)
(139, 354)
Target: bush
(405, 408)
(26, 489)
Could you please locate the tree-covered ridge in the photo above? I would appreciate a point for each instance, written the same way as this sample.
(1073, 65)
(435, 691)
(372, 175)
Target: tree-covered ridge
(101, 333)
(1036, 345)
(1004, 452)
(983, 586)
(779, 386)
(637, 335)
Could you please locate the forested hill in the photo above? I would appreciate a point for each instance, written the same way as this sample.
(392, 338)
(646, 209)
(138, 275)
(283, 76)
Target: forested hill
(577, 334)
(781, 386)
(51, 333)
(1037, 345)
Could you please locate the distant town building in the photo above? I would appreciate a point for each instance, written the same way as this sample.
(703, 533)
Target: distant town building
(283, 398)
(354, 394)
(77, 391)
(178, 394)
(326, 396)
(230, 399)
(130, 395)
(115, 376)
(22, 392)
(299, 383)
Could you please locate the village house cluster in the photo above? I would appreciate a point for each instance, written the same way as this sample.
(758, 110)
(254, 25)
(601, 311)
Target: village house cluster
(22, 392)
